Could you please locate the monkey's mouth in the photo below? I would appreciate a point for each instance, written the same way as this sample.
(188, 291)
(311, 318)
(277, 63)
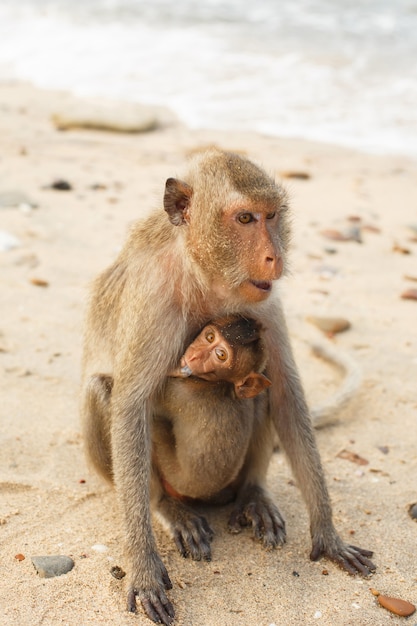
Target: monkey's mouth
(262, 285)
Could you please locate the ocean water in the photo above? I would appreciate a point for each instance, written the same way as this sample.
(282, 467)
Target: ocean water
(338, 71)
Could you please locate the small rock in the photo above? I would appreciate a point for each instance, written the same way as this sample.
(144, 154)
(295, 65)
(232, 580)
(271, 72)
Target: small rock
(8, 241)
(329, 324)
(326, 272)
(397, 606)
(296, 174)
(413, 511)
(401, 249)
(333, 234)
(15, 199)
(22, 372)
(30, 260)
(353, 233)
(120, 117)
(39, 282)
(371, 228)
(99, 547)
(51, 566)
(352, 457)
(19, 557)
(409, 294)
(117, 572)
(61, 185)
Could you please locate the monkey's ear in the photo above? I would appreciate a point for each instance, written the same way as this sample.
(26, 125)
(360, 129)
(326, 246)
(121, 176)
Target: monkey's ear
(177, 200)
(252, 385)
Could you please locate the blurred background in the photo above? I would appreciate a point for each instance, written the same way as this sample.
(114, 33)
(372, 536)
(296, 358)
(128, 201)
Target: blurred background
(338, 71)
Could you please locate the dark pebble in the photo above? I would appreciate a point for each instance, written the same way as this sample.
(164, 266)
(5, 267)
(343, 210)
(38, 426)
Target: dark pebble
(117, 572)
(413, 511)
(61, 185)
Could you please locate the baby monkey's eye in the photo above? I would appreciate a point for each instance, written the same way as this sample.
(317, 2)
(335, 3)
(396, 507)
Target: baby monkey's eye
(210, 336)
(271, 216)
(221, 354)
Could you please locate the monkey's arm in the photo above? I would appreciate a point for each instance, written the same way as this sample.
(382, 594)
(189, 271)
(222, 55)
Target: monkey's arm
(130, 439)
(141, 363)
(292, 421)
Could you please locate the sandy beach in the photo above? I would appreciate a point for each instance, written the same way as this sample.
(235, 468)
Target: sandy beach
(58, 240)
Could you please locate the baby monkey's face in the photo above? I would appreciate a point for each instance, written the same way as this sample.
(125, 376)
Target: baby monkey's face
(210, 356)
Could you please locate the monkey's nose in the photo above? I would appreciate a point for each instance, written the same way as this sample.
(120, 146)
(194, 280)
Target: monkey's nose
(197, 355)
(275, 266)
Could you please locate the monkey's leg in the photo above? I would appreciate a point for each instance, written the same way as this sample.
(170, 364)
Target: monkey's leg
(97, 423)
(254, 506)
(190, 531)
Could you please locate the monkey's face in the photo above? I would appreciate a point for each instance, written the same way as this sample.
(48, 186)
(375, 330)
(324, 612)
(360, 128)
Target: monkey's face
(210, 356)
(253, 234)
(235, 222)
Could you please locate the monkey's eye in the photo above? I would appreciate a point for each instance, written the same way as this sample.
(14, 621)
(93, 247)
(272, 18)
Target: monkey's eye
(210, 336)
(245, 218)
(271, 216)
(221, 354)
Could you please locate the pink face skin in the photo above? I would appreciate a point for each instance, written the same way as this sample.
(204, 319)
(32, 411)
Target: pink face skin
(255, 227)
(209, 356)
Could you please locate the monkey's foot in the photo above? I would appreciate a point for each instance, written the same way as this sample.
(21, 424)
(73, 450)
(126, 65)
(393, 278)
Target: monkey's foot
(350, 558)
(255, 508)
(153, 598)
(193, 536)
(191, 532)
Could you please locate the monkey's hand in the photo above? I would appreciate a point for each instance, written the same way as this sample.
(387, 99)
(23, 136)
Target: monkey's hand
(350, 558)
(255, 508)
(191, 532)
(151, 594)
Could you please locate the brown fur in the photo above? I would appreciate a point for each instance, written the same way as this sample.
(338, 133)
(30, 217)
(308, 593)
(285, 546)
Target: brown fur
(173, 275)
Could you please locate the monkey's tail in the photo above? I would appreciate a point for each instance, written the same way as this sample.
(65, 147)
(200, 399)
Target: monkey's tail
(326, 413)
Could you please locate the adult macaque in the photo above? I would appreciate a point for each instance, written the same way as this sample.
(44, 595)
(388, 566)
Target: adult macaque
(218, 251)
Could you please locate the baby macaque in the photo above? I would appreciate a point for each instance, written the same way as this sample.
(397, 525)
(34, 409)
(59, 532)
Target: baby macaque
(203, 424)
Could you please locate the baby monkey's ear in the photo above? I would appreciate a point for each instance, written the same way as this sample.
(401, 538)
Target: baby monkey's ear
(252, 385)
